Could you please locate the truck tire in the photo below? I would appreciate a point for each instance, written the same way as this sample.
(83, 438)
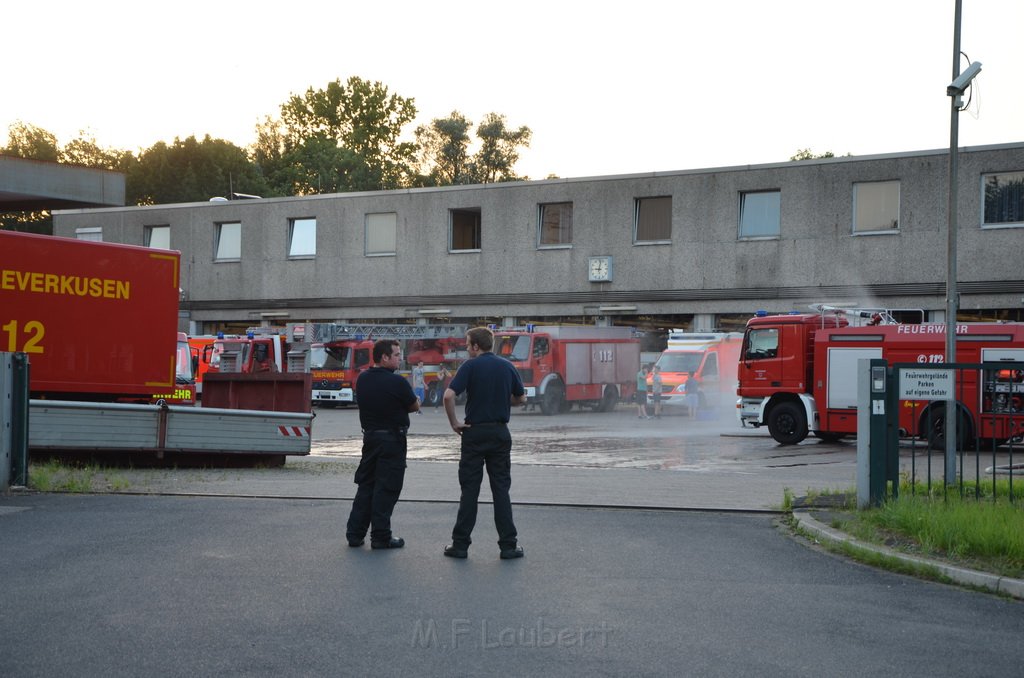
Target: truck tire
(553, 399)
(610, 399)
(935, 422)
(433, 396)
(787, 423)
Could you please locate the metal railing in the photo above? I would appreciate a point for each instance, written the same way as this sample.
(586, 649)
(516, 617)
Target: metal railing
(990, 430)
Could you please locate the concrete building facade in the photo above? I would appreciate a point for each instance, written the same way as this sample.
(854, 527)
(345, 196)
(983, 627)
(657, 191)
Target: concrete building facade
(696, 248)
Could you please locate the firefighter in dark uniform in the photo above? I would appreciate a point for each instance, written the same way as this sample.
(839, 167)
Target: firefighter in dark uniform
(385, 401)
(492, 386)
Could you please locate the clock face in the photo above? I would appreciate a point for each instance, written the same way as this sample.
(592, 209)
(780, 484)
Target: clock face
(600, 268)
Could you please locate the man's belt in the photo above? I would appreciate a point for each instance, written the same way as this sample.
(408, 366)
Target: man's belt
(395, 431)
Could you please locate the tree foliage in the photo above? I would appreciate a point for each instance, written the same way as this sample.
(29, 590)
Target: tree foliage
(189, 170)
(85, 151)
(499, 150)
(346, 136)
(25, 140)
(807, 154)
(364, 122)
(444, 150)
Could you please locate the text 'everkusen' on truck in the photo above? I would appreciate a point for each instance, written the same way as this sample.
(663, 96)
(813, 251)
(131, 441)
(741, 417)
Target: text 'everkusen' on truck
(798, 374)
(97, 325)
(98, 321)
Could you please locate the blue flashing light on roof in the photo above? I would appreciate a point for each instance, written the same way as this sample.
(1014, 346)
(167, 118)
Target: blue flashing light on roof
(530, 327)
(250, 334)
(220, 335)
(760, 313)
(794, 313)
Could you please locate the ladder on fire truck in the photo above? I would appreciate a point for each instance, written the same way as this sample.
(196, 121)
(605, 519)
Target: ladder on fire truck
(863, 316)
(316, 333)
(301, 336)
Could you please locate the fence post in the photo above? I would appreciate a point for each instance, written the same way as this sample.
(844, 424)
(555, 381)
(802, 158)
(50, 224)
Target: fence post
(20, 416)
(13, 419)
(873, 449)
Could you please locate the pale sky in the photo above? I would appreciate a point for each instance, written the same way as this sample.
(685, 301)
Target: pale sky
(607, 88)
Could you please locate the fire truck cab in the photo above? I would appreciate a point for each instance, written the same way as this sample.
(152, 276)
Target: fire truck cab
(798, 375)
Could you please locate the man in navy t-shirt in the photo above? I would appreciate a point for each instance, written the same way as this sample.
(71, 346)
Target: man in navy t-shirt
(385, 401)
(492, 386)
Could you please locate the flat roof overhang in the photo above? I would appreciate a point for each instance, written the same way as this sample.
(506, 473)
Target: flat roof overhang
(40, 185)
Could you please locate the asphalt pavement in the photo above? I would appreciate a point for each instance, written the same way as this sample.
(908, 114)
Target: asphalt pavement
(666, 559)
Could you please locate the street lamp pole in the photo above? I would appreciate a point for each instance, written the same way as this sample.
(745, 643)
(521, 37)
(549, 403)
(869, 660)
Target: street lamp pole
(950, 425)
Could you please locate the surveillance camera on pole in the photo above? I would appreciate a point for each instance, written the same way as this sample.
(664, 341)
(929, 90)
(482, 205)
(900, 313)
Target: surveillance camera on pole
(963, 81)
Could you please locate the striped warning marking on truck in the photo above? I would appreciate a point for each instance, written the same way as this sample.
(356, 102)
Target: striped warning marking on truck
(294, 431)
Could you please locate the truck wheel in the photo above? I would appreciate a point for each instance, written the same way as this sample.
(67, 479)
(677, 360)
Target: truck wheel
(553, 399)
(937, 429)
(610, 399)
(434, 396)
(787, 423)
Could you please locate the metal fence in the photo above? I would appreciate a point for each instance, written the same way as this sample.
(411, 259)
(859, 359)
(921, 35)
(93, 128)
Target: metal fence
(989, 445)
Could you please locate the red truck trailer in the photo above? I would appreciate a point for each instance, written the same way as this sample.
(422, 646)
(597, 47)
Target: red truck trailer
(797, 375)
(97, 320)
(564, 365)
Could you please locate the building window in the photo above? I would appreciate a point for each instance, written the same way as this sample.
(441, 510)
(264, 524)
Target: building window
(652, 220)
(158, 237)
(381, 233)
(876, 206)
(465, 230)
(555, 224)
(95, 234)
(229, 241)
(302, 238)
(1004, 199)
(760, 214)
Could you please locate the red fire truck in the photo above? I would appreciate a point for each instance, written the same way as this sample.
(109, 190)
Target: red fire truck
(797, 374)
(564, 365)
(54, 292)
(336, 354)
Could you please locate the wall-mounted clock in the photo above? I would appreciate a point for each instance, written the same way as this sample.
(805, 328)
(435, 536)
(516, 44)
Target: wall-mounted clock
(599, 269)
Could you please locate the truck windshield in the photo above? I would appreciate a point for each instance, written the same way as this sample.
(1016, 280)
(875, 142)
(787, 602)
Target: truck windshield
(680, 361)
(183, 362)
(513, 347)
(761, 343)
(321, 358)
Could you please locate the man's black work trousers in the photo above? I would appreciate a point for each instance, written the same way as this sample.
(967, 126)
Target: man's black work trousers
(490, 446)
(380, 476)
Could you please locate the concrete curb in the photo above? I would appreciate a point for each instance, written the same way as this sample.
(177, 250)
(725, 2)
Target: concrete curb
(960, 575)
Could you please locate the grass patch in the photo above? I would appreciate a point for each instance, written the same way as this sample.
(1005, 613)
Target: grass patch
(53, 476)
(986, 535)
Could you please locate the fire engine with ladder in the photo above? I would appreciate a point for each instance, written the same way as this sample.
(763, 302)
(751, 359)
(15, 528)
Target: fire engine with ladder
(337, 353)
(798, 374)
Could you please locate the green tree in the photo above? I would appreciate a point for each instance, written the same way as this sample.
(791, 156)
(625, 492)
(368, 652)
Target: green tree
(190, 171)
(499, 150)
(362, 118)
(806, 154)
(25, 140)
(444, 150)
(85, 151)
